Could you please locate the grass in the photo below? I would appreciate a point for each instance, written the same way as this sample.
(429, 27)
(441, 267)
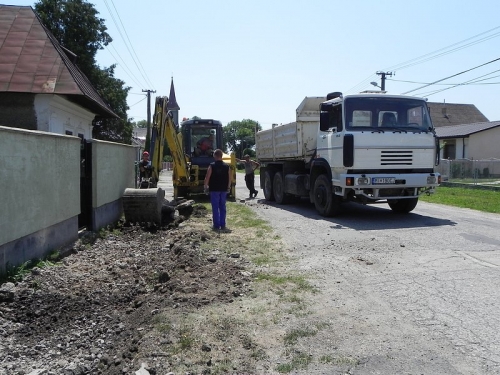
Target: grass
(18, 273)
(477, 199)
(245, 329)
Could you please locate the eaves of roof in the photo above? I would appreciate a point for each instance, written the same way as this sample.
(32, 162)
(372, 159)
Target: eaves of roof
(464, 130)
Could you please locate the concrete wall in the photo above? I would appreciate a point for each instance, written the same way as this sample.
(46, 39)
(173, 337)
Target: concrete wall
(39, 193)
(40, 190)
(113, 170)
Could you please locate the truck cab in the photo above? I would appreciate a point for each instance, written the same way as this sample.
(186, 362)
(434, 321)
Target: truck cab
(367, 148)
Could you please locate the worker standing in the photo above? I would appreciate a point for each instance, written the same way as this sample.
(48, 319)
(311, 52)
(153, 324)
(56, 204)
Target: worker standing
(218, 184)
(145, 166)
(250, 167)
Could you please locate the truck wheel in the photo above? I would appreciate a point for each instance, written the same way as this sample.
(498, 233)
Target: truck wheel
(268, 186)
(326, 203)
(403, 205)
(279, 189)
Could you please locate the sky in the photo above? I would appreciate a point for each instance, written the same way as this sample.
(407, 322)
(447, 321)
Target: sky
(234, 60)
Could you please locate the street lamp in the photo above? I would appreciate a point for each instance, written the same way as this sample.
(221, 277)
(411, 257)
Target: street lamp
(376, 85)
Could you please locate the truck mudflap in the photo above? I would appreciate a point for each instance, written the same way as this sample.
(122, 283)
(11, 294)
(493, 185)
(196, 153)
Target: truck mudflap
(386, 186)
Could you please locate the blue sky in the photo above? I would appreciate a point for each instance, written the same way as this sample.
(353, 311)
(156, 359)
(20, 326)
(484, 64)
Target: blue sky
(234, 60)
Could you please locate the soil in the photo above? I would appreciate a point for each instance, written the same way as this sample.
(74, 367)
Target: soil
(93, 312)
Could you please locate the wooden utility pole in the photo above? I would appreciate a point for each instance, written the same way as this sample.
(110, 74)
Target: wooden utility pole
(148, 129)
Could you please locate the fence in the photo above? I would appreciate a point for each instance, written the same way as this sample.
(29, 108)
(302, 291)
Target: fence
(470, 171)
(167, 166)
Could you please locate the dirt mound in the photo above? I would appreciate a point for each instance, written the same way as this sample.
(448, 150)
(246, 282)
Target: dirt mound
(87, 313)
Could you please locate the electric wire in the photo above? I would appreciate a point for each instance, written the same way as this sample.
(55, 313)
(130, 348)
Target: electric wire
(125, 67)
(473, 80)
(448, 84)
(435, 54)
(438, 53)
(126, 45)
(454, 75)
(130, 106)
(132, 46)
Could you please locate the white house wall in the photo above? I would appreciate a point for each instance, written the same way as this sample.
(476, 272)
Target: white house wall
(55, 114)
(484, 145)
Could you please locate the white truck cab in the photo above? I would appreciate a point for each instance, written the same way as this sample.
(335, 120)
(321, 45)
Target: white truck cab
(369, 148)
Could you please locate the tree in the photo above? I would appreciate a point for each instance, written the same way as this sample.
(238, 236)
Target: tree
(112, 90)
(75, 25)
(240, 136)
(140, 124)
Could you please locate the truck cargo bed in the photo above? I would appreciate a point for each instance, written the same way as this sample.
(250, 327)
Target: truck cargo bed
(296, 140)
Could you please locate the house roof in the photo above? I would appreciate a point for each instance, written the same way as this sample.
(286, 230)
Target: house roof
(446, 114)
(139, 133)
(32, 61)
(464, 130)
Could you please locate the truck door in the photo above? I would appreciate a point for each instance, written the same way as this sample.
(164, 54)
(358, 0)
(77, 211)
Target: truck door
(332, 141)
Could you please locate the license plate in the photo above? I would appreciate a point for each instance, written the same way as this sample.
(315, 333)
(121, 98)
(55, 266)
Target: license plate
(383, 180)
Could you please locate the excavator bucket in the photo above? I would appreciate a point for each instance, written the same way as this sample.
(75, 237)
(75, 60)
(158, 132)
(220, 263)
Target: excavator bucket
(143, 205)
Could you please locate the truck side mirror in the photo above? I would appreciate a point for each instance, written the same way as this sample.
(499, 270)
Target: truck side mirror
(324, 121)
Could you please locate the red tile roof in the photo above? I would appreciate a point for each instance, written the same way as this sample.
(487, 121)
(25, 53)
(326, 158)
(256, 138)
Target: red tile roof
(32, 61)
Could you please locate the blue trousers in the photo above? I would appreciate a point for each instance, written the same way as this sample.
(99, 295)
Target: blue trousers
(218, 201)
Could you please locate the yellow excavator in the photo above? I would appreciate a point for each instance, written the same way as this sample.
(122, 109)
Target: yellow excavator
(191, 158)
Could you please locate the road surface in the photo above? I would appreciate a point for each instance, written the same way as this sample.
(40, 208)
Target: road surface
(401, 294)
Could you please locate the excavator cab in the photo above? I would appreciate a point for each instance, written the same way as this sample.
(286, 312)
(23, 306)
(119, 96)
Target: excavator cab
(201, 138)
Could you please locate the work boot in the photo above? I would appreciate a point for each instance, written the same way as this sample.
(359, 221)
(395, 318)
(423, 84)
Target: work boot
(255, 194)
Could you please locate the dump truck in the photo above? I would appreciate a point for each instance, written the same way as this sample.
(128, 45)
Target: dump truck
(191, 158)
(367, 148)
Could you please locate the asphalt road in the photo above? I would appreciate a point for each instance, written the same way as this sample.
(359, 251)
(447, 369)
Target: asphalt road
(403, 294)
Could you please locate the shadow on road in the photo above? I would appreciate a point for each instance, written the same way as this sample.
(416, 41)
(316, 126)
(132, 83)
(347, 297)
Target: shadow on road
(364, 217)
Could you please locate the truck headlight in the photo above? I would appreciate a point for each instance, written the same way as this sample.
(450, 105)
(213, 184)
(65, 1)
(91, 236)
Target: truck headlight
(431, 179)
(363, 181)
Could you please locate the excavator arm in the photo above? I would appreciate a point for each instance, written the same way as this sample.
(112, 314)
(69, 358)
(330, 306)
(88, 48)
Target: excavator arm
(164, 129)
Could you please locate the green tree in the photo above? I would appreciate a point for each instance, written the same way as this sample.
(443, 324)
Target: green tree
(113, 91)
(240, 136)
(76, 26)
(140, 124)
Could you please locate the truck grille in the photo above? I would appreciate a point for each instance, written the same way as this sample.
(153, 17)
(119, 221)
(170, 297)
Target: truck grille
(397, 157)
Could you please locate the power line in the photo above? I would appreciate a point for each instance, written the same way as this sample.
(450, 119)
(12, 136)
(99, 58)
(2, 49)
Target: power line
(131, 45)
(438, 53)
(126, 45)
(140, 101)
(127, 70)
(432, 55)
(466, 83)
(446, 84)
(454, 75)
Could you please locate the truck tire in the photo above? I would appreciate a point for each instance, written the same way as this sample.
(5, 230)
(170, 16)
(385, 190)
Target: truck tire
(327, 204)
(403, 206)
(268, 186)
(279, 189)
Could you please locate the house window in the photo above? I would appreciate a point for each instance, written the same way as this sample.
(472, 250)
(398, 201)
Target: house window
(449, 149)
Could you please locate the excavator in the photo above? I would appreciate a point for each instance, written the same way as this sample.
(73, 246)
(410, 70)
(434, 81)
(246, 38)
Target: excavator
(191, 148)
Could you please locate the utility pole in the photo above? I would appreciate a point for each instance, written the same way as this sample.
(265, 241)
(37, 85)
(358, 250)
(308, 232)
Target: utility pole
(148, 129)
(382, 79)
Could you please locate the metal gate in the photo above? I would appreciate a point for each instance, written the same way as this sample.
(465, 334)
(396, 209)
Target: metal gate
(85, 217)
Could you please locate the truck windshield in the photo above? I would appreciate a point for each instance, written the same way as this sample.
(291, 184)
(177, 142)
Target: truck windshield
(386, 113)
